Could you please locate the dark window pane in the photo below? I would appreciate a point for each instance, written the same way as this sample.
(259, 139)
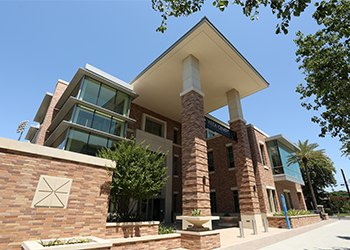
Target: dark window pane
(122, 103)
(213, 202)
(262, 154)
(210, 161)
(236, 201)
(77, 141)
(153, 127)
(96, 142)
(106, 98)
(112, 143)
(89, 91)
(83, 116)
(101, 122)
(175, 136)
(231, 160)
(176, 159)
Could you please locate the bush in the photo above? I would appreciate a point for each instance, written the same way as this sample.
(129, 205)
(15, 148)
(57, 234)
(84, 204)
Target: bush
(294, 212)
(162, 229)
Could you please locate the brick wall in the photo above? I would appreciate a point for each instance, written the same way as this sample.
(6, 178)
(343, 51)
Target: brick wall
(223, 178)
(295, 221)
(293, 195)
(131, 229)
(170, 243)
(211, 241)
(51, 112)
(19, 174)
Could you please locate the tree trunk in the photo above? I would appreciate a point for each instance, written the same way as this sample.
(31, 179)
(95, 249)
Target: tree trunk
(310, 184)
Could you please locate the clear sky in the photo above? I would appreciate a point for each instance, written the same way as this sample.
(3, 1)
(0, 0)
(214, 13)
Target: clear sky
(43, 41)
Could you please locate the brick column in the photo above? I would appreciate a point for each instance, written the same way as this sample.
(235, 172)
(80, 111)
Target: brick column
(51, 112)
(195, 174)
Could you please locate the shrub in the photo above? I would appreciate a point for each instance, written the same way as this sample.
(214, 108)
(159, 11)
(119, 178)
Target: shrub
(162, 229)
(196, 212)
(294, 212)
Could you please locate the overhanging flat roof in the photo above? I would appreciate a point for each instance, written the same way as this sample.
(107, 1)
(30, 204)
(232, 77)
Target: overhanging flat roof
(40, 115)
(98, 75)
(281, 138)
(31, 133)
(222, 68)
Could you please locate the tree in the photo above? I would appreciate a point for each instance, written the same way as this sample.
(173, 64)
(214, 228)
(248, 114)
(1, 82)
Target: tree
(284, 10)
(321, 175)
(325, 60)
(139, 175)
(306, 155)
(339, 201)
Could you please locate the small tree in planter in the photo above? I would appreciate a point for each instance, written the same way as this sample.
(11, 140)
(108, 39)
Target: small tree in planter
(139, 175)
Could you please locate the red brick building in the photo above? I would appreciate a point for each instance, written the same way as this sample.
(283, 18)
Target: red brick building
(213, 166)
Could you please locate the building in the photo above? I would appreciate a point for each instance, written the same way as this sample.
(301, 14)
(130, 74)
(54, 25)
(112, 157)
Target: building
(213, 166)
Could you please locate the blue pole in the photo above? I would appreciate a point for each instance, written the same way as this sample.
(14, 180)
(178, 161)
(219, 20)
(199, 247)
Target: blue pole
(285, 211)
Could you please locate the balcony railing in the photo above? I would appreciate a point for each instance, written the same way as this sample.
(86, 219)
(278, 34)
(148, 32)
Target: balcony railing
(286, 170)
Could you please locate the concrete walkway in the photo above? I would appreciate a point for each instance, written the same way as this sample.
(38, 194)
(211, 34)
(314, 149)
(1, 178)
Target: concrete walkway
(322, 235)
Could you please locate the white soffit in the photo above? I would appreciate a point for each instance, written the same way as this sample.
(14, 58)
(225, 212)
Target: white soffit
(40, 115)
(222, 68)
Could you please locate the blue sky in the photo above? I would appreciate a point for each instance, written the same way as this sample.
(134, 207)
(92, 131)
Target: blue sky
(43, 41)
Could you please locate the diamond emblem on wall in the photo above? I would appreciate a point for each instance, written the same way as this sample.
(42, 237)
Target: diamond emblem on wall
(52, 192)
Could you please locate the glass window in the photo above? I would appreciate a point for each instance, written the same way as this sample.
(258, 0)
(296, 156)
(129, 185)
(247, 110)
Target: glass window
(122, 104)
(231, 160)
(83, 116)
(112, 143)
(96, 142)
(236, 201)
(175, 170)
(89, 91)
(101, 122)
(287, 199)
(275, 157)
(175, 136)
(106, 98)
(175, 203)
(77, 141)
(210, 161)
(117, 127)
(262, 154)
(153, 127)
(271, 198)
(213, 202)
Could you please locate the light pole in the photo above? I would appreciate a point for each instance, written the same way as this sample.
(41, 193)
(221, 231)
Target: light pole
(21, 127)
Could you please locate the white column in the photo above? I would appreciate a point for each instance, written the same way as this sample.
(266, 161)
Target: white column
(234, 105)
(190, 75)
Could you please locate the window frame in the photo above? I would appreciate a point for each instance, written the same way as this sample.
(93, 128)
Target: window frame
(156, 120)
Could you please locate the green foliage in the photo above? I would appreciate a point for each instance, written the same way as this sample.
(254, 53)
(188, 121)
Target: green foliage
(196, 212)
(139, 175)
(283, 9)
(309, 155)
(293, 212)
(340, 201)
(325, 61)
(162, 229)
(60, 242)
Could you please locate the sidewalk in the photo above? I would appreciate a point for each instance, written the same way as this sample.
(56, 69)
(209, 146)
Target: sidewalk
(230, 237)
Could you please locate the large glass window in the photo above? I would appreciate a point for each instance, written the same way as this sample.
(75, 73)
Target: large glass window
(271, 198)
(83, 116)
(77, 141)
(94, 92)
(231, 160)
(122, 103)
(89, 91)
(117, 127)
(96, 142)
(210, 161)
(176, 132)
(106, 97)
(101, 122)
(153, 127)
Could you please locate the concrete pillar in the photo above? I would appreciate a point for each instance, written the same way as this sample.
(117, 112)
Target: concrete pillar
(247, 190)
(195, 174)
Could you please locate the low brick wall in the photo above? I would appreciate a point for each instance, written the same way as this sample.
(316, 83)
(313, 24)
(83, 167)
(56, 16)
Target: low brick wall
(131, 229)
(295, 221)
(200, 240)
(325, 216)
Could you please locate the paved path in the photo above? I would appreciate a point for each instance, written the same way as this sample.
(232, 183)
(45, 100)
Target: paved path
(323, 235)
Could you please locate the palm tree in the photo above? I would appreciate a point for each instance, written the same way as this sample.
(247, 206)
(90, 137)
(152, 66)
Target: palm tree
(307, 154)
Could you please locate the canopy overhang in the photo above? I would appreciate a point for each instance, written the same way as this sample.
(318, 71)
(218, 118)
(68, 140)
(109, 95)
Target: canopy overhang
(222, 68)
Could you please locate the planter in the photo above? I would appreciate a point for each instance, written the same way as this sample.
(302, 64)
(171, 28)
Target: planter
(228, 222)
(96, 243)
(295, 221)
(198, 222)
